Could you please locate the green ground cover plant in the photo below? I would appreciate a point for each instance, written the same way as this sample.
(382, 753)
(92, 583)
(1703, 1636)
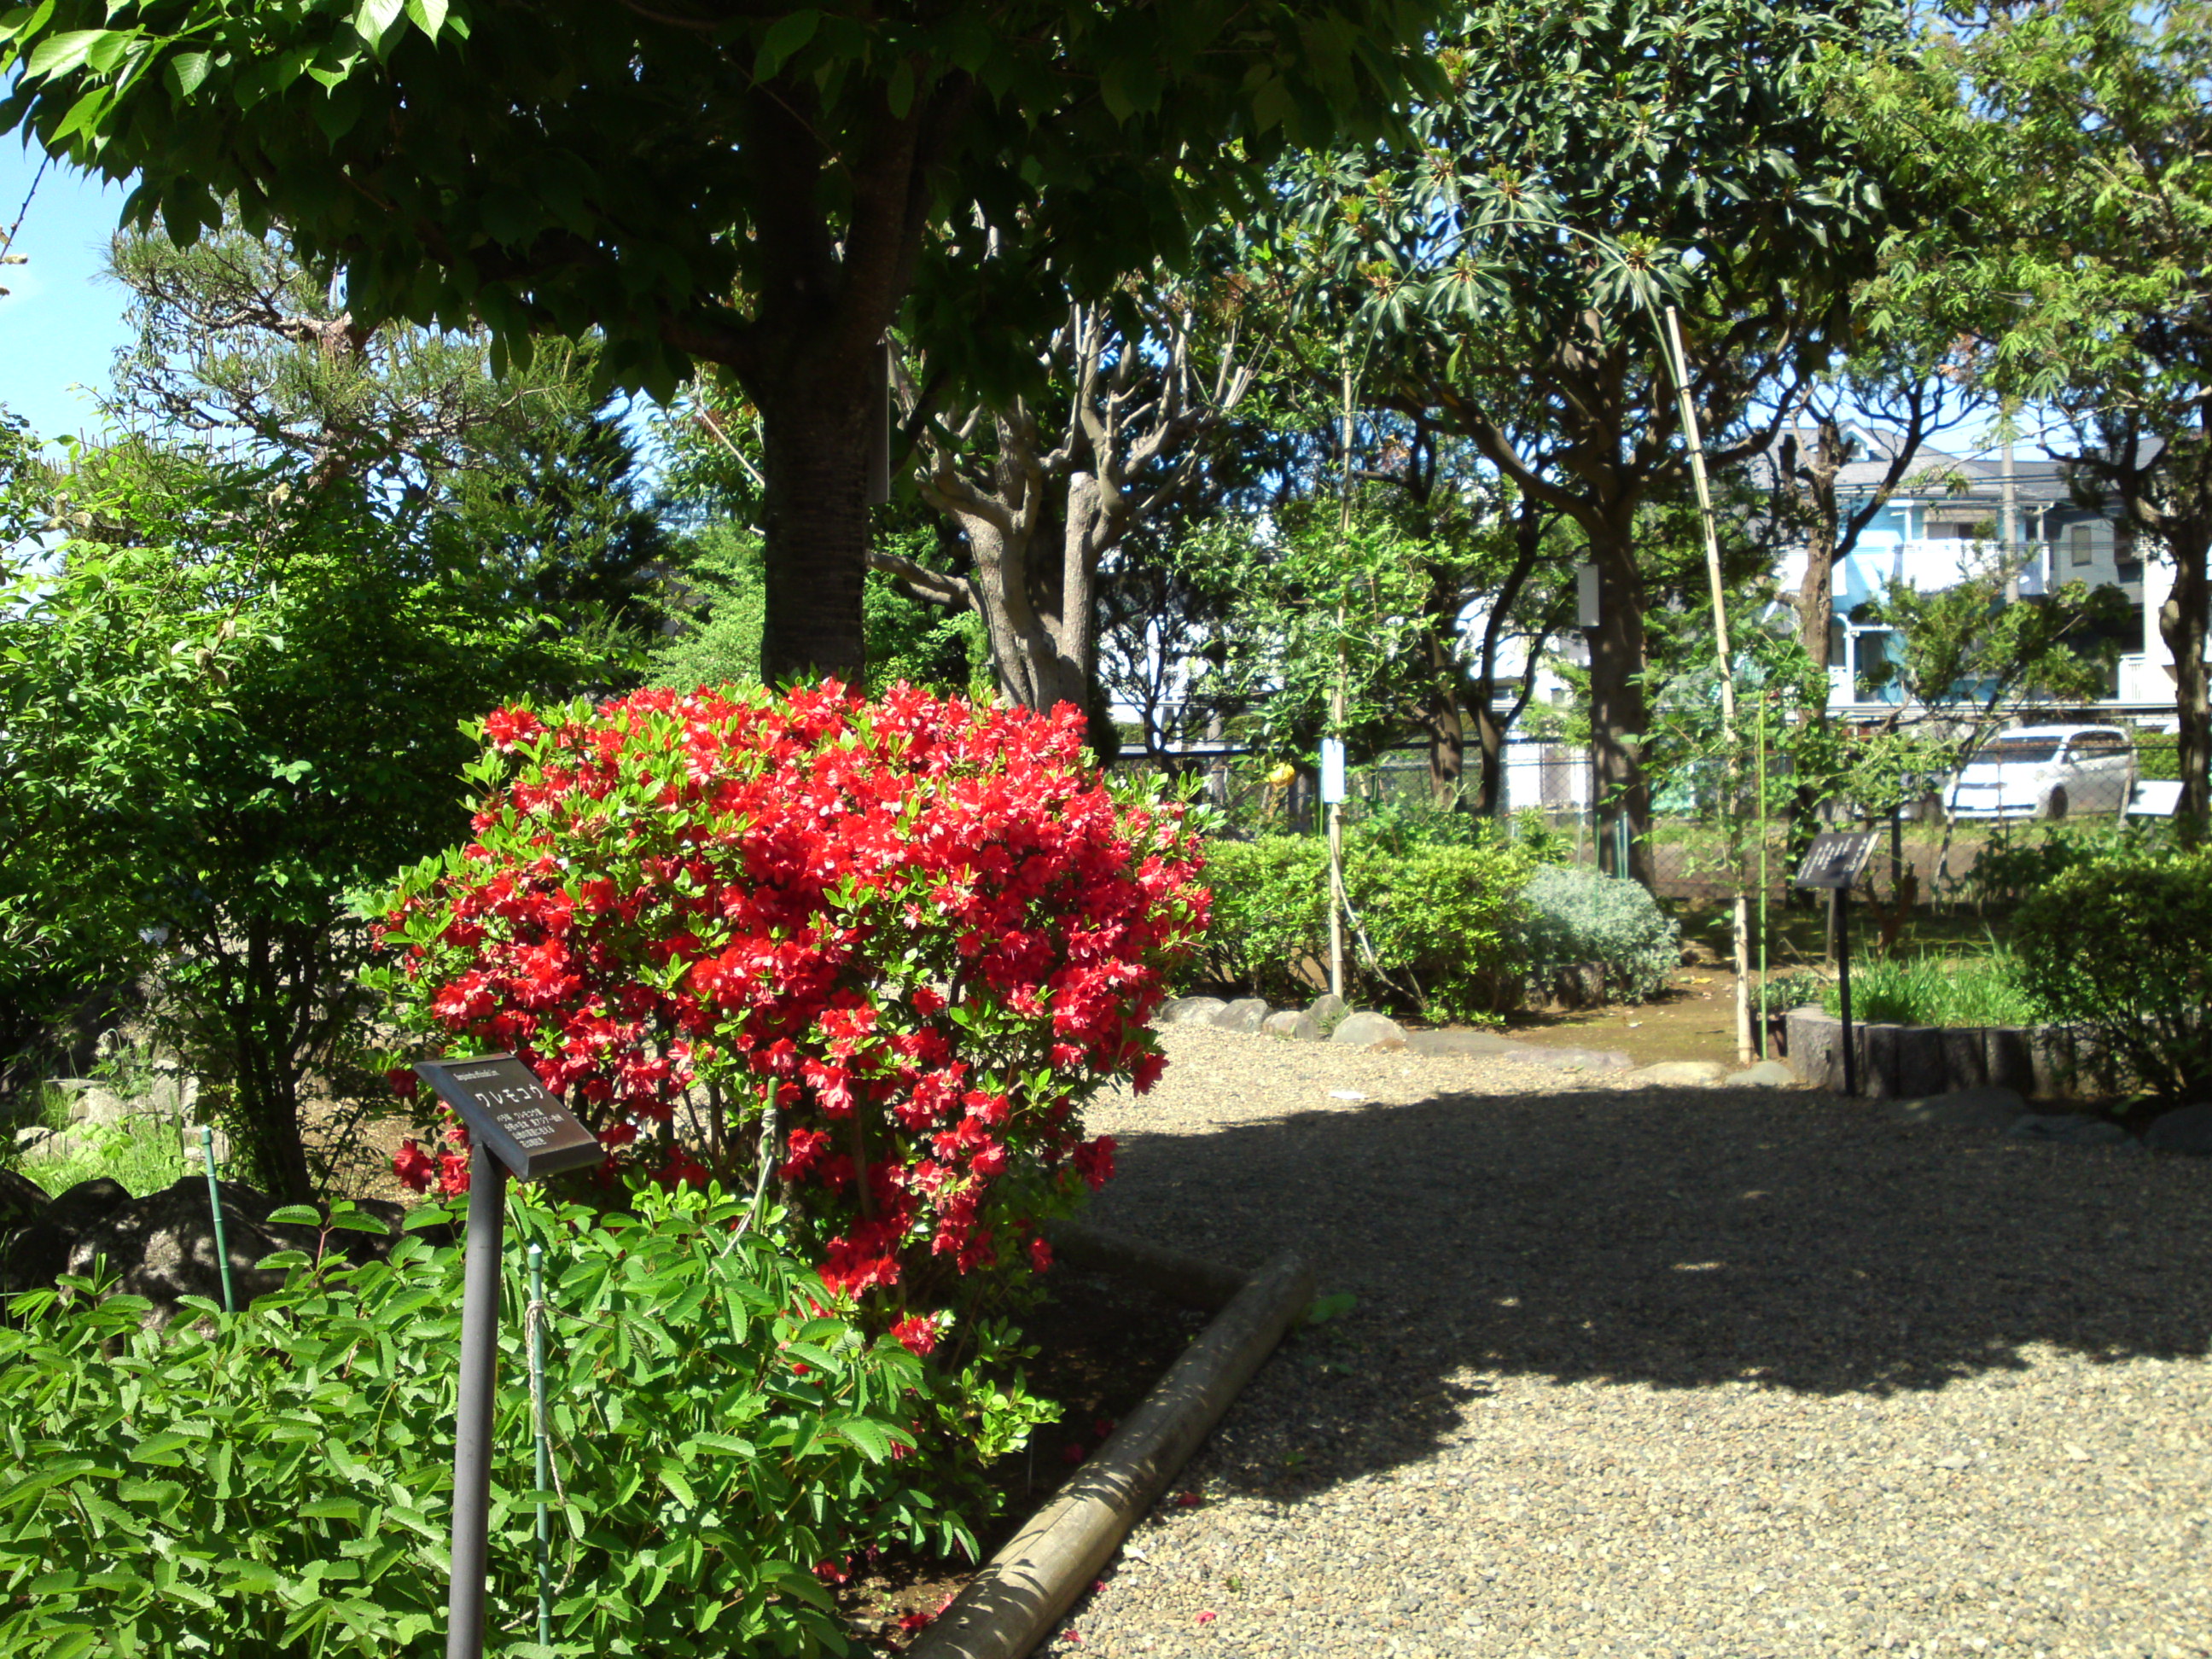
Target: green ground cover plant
(276, 1484)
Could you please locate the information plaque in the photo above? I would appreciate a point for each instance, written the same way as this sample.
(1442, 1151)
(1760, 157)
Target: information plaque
(1836, 858)
(509, 1111)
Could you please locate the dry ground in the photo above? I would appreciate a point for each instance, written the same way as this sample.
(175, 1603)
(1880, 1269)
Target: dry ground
(1669, 1372)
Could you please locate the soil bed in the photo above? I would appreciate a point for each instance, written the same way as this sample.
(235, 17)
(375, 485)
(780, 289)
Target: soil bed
(1102, 1345)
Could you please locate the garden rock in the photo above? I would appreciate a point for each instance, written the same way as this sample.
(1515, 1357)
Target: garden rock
(1329, 1009)
(1579, 986)
(1367, 1030)
(1459, 1042)
(2188, 1130)
(1767, 1074)
(1191, 1011)
(1990, 1106)
(22, 1201)
(162, 1246)
(1298, 1022)
(2066, 1129)
(39, 1253)
(1681, 1074)
(1245, 1014)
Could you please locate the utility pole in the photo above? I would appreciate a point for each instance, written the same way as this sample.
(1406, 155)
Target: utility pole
(2008, 510)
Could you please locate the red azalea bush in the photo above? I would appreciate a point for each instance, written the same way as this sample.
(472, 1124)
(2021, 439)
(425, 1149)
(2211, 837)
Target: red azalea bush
(887, 948)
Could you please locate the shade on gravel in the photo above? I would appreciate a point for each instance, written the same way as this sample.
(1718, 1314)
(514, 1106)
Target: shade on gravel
(1641, 1371)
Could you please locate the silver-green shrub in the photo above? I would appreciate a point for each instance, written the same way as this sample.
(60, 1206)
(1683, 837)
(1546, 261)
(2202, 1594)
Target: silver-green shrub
(1571, 915)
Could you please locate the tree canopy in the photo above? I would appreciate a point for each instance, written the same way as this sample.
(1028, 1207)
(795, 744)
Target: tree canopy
(754, 187)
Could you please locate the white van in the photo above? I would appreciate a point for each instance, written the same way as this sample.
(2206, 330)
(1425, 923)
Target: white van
(2046, 772)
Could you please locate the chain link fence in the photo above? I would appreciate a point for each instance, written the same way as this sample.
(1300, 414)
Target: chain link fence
(1692, 849)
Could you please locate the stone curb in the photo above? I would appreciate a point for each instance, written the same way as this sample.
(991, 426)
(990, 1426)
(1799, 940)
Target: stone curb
(1022, 1591)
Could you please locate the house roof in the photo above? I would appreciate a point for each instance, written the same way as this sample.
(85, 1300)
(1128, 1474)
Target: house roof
(1969, 481)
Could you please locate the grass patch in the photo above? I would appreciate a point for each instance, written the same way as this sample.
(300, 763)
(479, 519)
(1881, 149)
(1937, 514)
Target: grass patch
(1935, 990)
(143, 1153)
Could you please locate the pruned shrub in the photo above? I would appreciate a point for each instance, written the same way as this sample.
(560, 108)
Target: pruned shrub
(279, 1482)
(1571, 915)
(880, 953)
(2117, 946)
(1435, 929)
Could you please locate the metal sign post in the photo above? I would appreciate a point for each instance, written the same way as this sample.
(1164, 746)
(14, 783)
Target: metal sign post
(517, 1128)
(1833, 862)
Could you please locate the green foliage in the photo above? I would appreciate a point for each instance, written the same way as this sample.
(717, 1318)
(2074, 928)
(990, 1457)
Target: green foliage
(1058, 140)
(1572, 914)
(2116, 945)
(1933, 990)
(2019, 860)
(1316, 606)
(143, 1153)
(724, 587)
(277, 1484)
(234, 704)
(1435, 921)
(721, 643)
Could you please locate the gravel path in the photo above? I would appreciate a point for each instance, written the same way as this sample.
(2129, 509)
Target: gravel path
(1669, 1372)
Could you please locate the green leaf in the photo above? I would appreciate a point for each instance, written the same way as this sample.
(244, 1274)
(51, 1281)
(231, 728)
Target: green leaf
(297, 1215)
(374, 19)
(60, 53)
(785, 36)
(429, 15)
(185, 70)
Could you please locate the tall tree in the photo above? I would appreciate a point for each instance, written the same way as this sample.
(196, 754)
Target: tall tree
(747, 185)
(2078, 138)
(1592, 160)
(1045, 487)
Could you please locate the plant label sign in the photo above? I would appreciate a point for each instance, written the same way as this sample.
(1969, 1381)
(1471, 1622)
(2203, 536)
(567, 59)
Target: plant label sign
(508, 1110)
(1835, 859)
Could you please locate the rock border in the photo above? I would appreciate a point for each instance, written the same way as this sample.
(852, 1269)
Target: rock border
(1021, 1592)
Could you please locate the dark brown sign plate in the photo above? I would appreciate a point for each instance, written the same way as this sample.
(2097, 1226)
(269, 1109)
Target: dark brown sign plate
(1836, 858)
(509, 1110)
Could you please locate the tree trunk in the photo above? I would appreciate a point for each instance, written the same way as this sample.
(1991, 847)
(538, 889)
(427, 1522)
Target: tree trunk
(1816, 617)
(2182, 622)
(1490, 746)
(1620, 715)
(815, 519)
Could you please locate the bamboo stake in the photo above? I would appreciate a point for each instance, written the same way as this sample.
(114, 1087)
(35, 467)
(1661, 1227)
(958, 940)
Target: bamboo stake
(1733, 805)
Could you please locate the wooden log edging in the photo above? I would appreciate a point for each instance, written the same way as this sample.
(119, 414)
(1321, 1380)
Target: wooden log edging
(1021, 1593)
(1909, 1062)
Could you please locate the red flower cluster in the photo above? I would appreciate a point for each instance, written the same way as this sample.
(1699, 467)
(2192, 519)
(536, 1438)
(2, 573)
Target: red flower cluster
(908, 937)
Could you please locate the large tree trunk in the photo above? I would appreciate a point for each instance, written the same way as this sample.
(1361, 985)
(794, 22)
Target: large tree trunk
(815, 521)
(1619, 714)
(2182, 622)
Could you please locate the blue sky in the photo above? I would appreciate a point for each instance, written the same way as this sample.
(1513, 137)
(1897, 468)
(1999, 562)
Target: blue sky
(59, 324)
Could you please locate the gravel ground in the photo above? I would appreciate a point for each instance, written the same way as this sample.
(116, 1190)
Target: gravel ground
(1669, 1372)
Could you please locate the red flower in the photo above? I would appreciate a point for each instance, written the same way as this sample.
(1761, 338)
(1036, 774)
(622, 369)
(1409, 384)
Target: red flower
(1040, 1255)
(917, 1334)
(413, 1166)
(778, 916)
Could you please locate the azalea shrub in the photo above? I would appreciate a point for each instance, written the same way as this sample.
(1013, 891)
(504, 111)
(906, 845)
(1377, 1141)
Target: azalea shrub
(278, 1482)
(876, 953)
